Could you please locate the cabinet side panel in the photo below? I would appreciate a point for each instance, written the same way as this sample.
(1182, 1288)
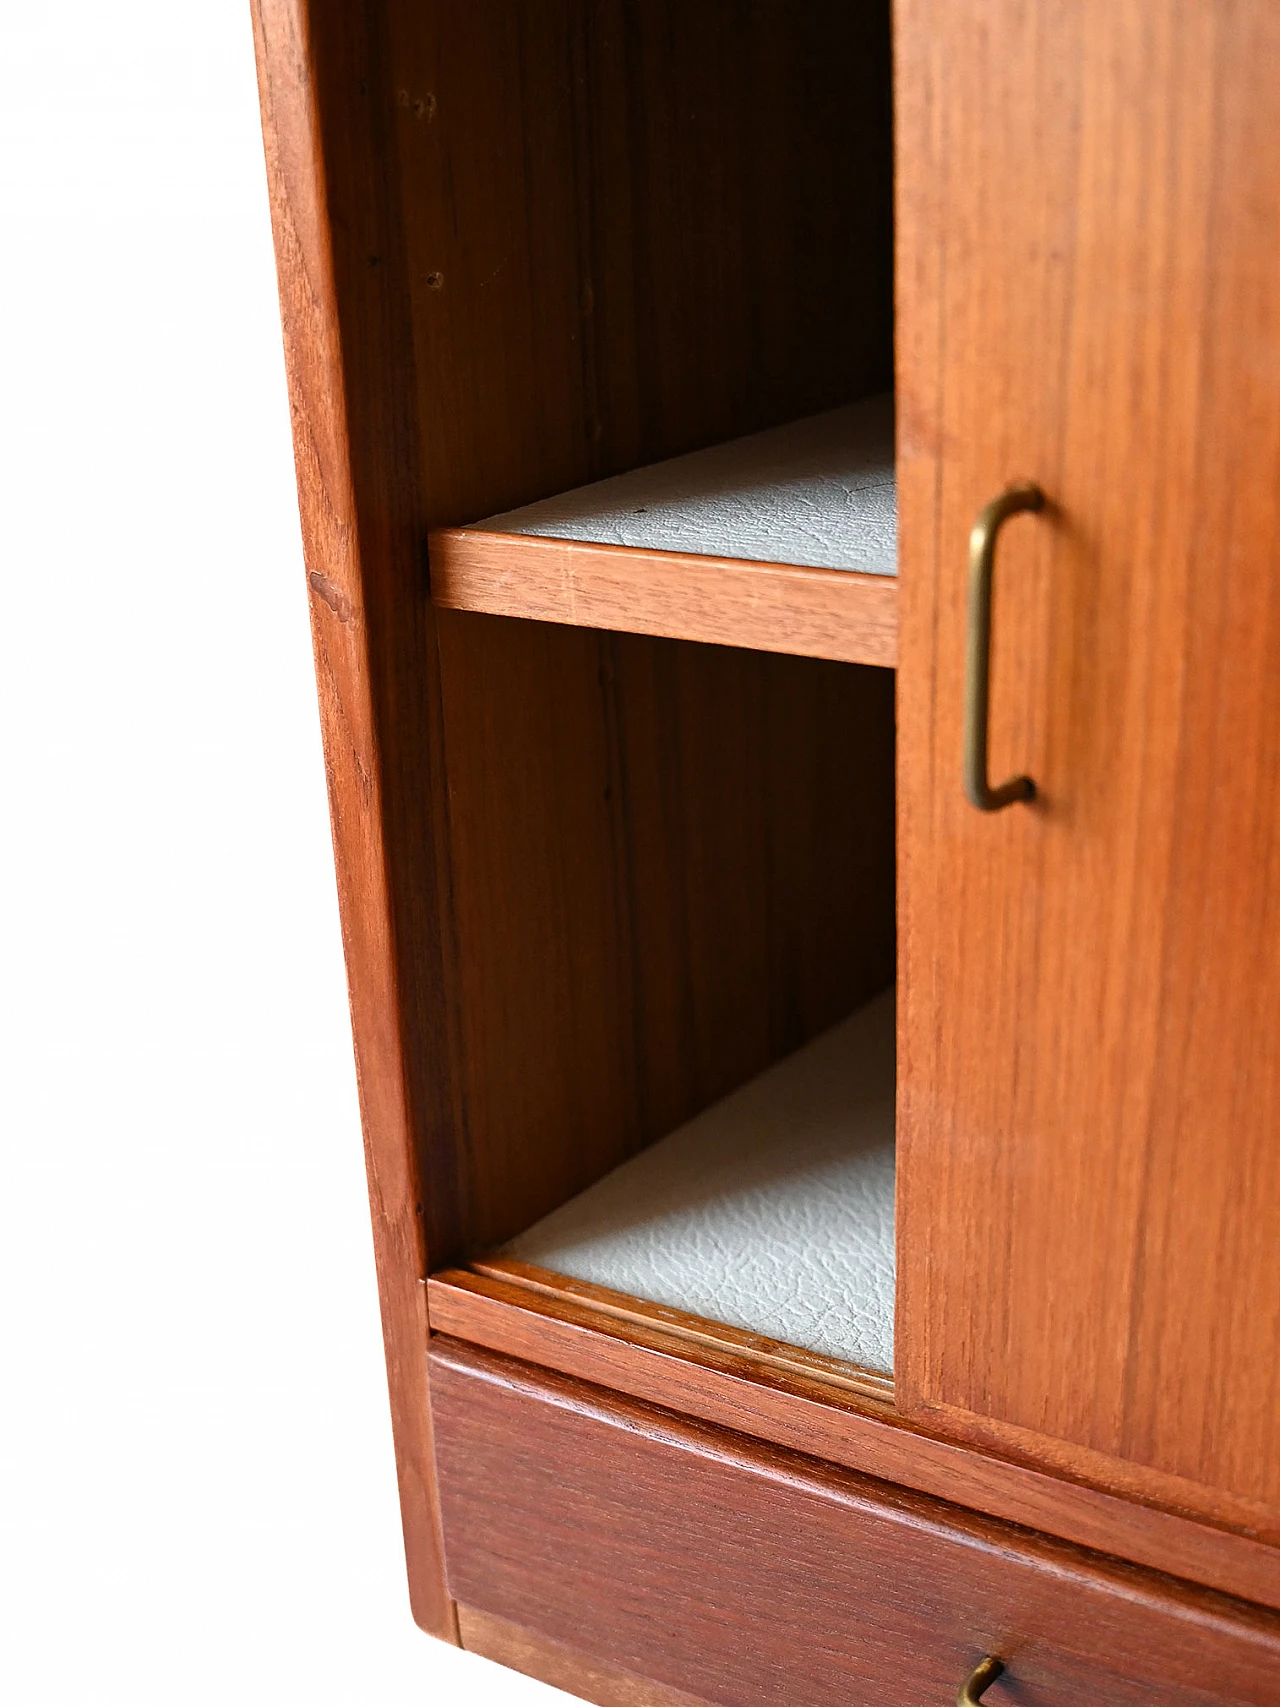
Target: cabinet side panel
(375, 674)
(1089, 1180)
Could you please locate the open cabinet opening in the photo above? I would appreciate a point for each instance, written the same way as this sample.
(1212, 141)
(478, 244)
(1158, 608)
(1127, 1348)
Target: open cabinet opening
(660, 467)
(749, 1008)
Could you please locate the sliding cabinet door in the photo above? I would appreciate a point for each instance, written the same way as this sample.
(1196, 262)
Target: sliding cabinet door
(1089, 1142)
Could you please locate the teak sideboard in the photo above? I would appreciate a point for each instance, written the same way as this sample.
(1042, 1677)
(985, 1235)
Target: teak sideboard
(791, 499)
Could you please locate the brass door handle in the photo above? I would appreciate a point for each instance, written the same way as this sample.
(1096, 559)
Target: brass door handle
(984, 1673)
(977, 687)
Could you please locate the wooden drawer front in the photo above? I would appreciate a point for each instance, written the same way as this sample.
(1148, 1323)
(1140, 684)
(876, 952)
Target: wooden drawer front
(744, 1574)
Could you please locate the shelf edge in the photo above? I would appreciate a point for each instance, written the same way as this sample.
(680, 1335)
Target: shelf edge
(767, 607)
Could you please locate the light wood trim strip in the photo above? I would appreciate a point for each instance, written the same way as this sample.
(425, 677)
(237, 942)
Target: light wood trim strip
(679, 1324)
(794, 1411)
(771, 607)
(325, 430)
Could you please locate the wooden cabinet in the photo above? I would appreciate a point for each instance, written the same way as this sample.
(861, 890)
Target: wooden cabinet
(641, 624)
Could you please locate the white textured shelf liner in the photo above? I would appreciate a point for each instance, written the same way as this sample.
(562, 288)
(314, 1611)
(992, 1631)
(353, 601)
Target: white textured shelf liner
(771, 1211)
(819, 493)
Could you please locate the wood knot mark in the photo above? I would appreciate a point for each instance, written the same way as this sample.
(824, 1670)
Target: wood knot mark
(422, 106)
(334, 597)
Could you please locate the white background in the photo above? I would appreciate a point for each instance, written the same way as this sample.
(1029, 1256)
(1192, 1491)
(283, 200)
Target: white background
(198, 1500)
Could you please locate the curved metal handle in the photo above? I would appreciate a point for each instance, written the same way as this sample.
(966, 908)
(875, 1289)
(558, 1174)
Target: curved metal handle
(977, 687)
(984, 1674)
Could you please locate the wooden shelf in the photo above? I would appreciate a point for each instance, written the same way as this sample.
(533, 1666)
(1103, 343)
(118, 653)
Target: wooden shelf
(785, 541)
(764, 1225)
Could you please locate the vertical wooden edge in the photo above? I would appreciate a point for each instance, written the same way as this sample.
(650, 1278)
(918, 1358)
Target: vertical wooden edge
(313, 356)
(562, 1667)
(917, 365)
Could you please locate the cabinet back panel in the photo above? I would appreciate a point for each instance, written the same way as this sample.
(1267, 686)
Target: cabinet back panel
(1089, 1177)
(633, 230)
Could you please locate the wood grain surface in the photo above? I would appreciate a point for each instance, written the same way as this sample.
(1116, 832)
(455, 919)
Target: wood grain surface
(562, 1666)
(818, 613)
(636, 230)
(744, 1574)
(723, 1387)
(1088, 1172)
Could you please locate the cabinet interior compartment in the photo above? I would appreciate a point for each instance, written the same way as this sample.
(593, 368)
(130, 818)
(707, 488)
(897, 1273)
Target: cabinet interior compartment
(681, 1022)
(644, 265)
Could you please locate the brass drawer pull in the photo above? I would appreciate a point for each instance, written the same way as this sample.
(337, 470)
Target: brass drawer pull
(977, 688)
(984, 1674)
